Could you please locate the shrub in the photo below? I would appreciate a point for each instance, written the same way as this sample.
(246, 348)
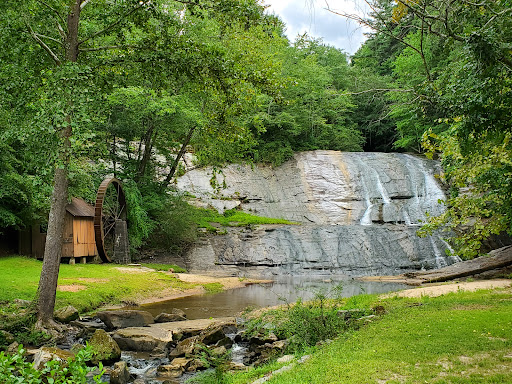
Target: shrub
(304, 323)
(14, 369)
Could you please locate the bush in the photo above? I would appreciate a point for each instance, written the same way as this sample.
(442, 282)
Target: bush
(14, 369)
(140, 224)
(176, 228)
(304, 324)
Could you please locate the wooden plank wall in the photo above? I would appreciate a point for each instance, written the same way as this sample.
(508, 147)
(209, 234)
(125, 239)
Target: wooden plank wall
(83, 237)
(38, 242)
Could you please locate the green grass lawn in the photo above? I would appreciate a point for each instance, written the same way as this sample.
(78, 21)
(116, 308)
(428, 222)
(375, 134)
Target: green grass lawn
(456, 338)
(85, 286)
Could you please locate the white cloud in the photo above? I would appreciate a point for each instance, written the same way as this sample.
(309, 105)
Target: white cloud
(312, 17)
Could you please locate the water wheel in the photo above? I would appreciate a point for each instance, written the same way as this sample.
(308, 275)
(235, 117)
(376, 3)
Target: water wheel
(109, 209)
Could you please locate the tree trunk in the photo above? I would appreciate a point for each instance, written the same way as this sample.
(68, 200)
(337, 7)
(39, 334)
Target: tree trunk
(178, 157)
(47, 288)
(148, 148)
(53, 250)
(498, 258)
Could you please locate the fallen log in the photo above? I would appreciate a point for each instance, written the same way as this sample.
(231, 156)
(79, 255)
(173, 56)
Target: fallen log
(498, 258)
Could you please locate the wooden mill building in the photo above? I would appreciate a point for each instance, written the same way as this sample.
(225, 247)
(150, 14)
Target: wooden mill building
(78, 241)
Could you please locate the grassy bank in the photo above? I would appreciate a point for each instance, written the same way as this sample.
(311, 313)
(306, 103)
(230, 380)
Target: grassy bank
(456, 338)
(85, 286)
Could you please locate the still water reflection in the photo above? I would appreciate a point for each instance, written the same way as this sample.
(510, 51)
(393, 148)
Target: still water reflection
(282, 291)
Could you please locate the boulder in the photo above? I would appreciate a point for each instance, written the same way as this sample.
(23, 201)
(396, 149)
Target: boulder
(193, 327)
(158, 353)
(196, 365)
(262, 339)
(219, 351)
(162, 334)
(120, 373)
(286, 359)
(280, 345)
(233, 366)
(225, 342)
(212, 335)
(185, 347)
(175, 369)
(174, 314)
(66, 314)
(105, 348)
(143, 339)
(125, 319)
(88, 326)
(20, 303)
(47, 354)
(304, 358)
(12, 349)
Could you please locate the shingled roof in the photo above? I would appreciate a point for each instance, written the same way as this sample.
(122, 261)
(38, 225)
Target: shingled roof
(80, 208)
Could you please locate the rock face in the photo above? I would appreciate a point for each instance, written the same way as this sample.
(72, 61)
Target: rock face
(358, 215)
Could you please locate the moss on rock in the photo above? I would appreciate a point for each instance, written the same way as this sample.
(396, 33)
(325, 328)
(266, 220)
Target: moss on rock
(105, 348)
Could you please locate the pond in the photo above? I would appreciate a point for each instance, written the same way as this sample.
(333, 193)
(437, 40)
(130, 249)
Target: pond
(282, 291)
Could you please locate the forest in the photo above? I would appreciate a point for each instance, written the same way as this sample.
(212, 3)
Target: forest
(124, 87)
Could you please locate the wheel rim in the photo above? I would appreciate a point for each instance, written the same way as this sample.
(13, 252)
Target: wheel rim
(110, 206)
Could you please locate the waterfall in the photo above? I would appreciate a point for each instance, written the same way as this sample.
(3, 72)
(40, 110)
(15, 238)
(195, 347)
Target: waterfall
(440, 261)
(425, 188)
(371, 183)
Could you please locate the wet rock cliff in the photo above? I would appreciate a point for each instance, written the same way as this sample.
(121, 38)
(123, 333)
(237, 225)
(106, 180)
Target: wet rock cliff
(357, 214)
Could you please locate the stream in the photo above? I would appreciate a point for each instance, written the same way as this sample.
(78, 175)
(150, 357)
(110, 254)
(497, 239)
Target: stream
(234, 301)
(282, 291)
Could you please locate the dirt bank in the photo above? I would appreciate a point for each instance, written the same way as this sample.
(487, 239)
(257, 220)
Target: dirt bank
(173, 293)
(441, 289)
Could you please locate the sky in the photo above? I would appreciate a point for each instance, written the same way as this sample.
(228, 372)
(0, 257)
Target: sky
(312, 17)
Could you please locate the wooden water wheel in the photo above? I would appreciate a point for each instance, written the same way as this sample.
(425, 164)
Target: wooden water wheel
(110, 207)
